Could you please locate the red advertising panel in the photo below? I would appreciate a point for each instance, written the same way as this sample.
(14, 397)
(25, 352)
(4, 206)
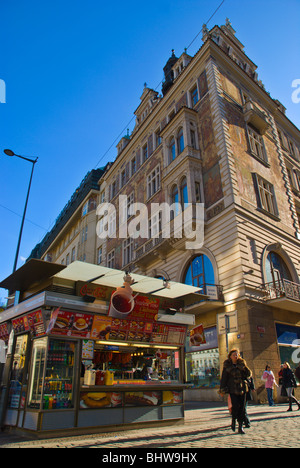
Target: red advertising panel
(4, 334)
(36, 323)
(197, 336)
(72, 324)
(20, 324)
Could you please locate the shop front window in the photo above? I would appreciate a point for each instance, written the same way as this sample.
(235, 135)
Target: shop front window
(288, 338)
(202, 364)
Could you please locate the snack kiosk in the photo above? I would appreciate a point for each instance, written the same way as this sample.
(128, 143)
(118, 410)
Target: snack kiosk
(80, 359)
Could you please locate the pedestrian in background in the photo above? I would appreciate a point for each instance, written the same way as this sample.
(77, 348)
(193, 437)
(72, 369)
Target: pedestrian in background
(270, 382)
(234, 381)
(289, 383)
(297, 373)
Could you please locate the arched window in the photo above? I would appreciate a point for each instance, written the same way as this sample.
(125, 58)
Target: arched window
(276, 269)
(183, 192)
(200, 272)
(180, 141)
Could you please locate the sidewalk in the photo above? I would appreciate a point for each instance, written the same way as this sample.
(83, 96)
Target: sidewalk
(206, 425)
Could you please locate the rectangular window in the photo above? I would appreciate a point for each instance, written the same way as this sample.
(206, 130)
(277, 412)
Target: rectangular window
(112, 227)
(193, 139)
(73, 257)
(157, 138)
(133, 166)
(153, 182)
(99, 256)
(127, 251)
(266, 195)
(123, 178)
(145, 153)
(85, 209)
(113, 189)
(155, 225)
(130, 202)
(194, 96)
(111, 259)
(256, 144)
(297, 178)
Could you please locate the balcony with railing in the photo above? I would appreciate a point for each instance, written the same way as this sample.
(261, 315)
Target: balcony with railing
(283, 294)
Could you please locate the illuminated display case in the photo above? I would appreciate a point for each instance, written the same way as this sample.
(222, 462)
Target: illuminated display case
(52, 374)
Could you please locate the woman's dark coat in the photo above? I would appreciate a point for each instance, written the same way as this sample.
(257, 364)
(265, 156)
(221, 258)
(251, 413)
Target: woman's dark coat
(288, 378)
(234, 377)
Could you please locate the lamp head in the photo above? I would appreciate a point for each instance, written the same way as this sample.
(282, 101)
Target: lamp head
(9, 152)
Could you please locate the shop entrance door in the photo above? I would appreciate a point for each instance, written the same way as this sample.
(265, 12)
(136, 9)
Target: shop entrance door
(17, 381)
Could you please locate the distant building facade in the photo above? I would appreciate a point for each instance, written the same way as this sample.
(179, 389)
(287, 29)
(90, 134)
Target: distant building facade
(73, 236)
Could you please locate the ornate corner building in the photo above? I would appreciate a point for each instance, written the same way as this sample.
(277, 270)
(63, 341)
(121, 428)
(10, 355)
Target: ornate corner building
(215, 137)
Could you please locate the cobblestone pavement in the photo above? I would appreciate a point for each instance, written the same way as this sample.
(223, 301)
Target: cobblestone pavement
(205, 426)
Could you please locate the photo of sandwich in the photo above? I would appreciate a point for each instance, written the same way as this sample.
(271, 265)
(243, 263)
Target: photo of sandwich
(80, 324)
(61, 322)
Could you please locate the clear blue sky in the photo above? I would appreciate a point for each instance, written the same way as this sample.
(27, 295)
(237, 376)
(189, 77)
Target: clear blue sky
(74, 72)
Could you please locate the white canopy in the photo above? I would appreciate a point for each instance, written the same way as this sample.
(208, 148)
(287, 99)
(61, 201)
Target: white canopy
(81, 271)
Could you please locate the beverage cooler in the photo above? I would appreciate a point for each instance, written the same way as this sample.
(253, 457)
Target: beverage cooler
(45, 396)
(52, 374)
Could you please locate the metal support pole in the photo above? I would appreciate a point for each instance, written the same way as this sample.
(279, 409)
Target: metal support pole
(23, 218)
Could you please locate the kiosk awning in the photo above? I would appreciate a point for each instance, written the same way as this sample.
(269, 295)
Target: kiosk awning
(81, 271)
(33, 271)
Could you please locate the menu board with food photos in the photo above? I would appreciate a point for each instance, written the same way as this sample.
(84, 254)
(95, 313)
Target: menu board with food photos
(130, 398)
(104, 328)
(70, 324)
(32, 322)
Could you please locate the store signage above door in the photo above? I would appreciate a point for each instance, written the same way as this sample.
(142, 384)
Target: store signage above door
(100, 293)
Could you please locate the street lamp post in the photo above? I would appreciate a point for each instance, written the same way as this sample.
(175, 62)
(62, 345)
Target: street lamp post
(9, 152)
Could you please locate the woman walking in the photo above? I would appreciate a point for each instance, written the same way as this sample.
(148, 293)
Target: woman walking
(289, 383)
(269, 379)
(234, 381)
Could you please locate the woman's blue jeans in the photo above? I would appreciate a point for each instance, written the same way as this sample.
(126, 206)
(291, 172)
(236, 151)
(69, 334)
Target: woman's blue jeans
(270, 396)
